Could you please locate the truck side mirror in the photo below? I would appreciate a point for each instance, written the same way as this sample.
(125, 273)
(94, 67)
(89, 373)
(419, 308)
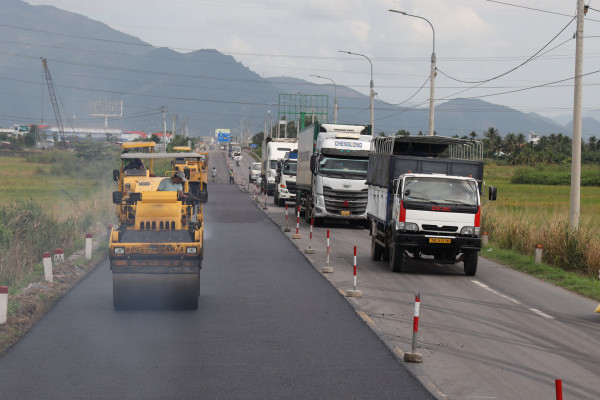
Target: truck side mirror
(117, 197)
(313, 163)
(116, 174)
(493, 193)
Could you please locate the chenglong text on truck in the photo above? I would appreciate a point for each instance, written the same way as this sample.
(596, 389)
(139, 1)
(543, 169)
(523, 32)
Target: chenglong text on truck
(332, 169)
(425, 200)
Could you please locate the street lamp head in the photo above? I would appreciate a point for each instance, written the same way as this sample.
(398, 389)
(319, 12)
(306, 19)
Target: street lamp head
(398, 11)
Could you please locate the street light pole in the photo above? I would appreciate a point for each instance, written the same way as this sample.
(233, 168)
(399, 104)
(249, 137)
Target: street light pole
(432, 73)
(372, 94)
(335, 104)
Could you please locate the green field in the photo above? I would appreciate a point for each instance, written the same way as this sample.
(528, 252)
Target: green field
(539, 202)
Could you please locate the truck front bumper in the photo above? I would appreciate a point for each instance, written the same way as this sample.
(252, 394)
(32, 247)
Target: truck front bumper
(436, 243)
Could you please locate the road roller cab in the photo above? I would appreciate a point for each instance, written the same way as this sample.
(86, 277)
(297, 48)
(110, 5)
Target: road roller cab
(196, 172)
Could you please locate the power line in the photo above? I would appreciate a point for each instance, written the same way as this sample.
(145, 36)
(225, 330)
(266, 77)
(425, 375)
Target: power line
(518, 66)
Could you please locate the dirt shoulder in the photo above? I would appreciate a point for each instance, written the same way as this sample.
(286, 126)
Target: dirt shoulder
(29, 304)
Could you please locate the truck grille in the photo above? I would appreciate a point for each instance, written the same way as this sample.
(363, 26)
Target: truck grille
(435, 228)
(335, 201)
(291, 187)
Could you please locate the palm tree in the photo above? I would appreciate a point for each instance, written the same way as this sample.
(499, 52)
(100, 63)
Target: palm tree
(473, 135)
(593, 142)
(510, 142)
(494, 140)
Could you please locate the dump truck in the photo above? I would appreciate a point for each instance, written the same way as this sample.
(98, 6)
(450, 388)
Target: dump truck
(332, 168)
(425, 200)
(157, 249)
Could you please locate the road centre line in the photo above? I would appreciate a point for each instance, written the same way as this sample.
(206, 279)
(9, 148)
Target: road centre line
(541, 313)
(534, 310)
(495, 291)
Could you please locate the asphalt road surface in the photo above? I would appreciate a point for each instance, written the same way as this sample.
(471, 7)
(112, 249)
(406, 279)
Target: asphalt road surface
(269, 326)
(499, 335)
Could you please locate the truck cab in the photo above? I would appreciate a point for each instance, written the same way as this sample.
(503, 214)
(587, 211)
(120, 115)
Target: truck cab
(274, 149)
(254, 172)
(285, 180)
(425, 200)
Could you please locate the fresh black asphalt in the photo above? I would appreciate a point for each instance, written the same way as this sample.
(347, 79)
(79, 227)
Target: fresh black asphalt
(269, 326)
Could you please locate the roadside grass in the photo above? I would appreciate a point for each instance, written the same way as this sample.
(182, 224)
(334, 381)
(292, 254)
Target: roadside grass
(574, 282)
(526, 215)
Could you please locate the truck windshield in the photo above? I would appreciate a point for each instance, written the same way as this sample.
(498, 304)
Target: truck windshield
(336, 167)
(290, 168)
(440, 191)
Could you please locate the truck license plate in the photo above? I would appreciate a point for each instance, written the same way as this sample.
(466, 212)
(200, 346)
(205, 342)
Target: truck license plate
(440, 240)
(345, 212)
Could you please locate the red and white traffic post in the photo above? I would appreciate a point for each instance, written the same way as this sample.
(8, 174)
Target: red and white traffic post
(354, 292)
(327, 269)
(558, 384)
(287, 226)
(413, 356)
(297, 235)
(310, 250)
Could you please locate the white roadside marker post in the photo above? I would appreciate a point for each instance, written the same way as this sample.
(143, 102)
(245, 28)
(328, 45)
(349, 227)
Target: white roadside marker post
(47, 261)
(88, 246)
(3, 304)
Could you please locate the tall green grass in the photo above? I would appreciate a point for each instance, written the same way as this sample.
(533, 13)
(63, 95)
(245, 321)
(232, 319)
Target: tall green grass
(571, 250)
(50, 200)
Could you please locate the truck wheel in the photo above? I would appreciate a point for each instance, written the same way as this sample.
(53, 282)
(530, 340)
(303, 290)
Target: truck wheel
(396, 258)
(308, 212)
(275, 199)
(376, 250)
(281, 202)
(471, 258)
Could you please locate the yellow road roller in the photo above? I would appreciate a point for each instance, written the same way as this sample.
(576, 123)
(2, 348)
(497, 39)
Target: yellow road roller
(156, 251)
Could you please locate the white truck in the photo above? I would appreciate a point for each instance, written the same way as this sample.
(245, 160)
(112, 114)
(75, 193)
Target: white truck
(425, 200)
(254, 172)
(235, 151)
(332, 171)
(285, 180)
(273, 150)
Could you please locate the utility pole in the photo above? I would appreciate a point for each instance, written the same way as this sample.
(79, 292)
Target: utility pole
(575, 212)
(163, 110)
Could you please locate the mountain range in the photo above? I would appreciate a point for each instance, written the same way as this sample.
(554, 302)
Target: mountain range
(90, 62)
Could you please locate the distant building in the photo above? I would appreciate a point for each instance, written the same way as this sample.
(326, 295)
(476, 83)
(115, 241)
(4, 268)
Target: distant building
(534, 138)
(94, 133)
(160, 136)
(132, 136)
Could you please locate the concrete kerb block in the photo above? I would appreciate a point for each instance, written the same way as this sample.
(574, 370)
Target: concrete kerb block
(413, 357)
(297, 236)
(327, 270)
(353, 293)
(309, 251)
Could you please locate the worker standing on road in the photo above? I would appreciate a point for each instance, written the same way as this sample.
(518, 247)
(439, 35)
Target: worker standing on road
(214, 173)
(231, 180)
(173, 184)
